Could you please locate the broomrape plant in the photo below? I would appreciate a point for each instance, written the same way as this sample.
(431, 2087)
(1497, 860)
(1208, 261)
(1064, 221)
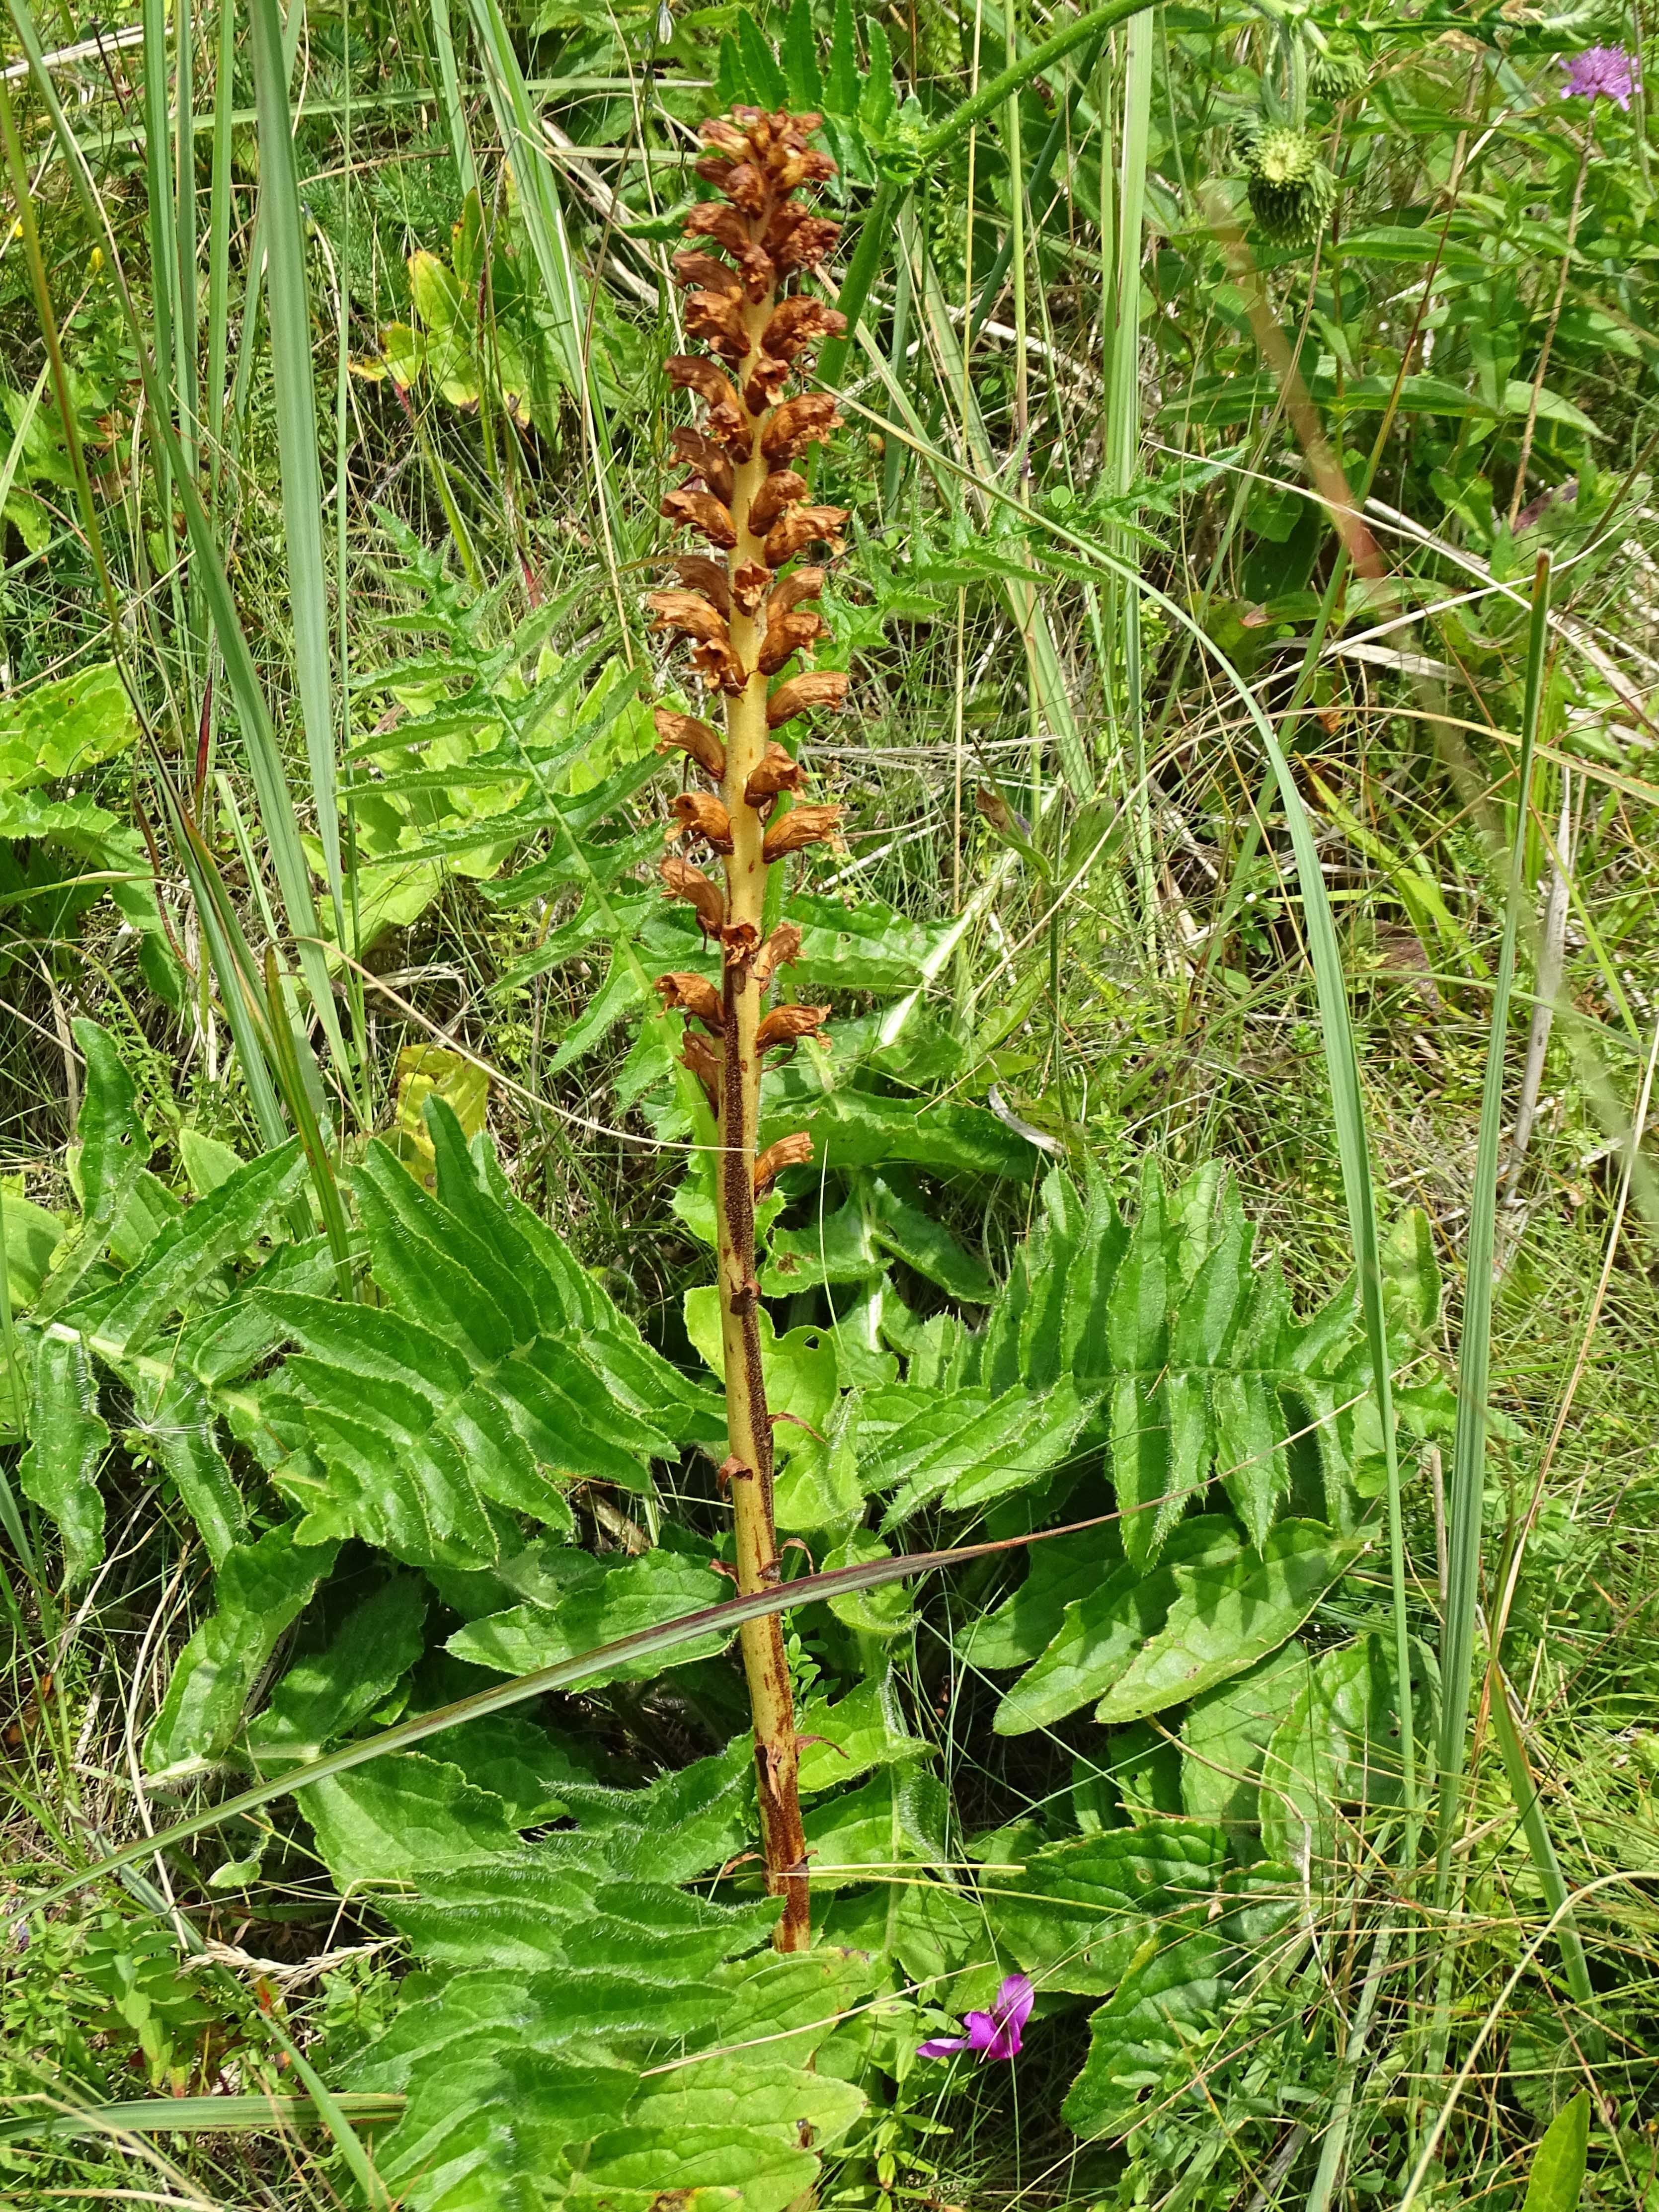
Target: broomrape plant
(748, 620)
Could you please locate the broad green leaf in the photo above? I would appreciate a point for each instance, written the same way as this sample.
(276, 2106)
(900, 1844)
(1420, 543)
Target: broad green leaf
(1083, 1911)
(1337, 1745)
(516, 1760)
(790, 2103)
(1168, 1995)
(260, 1588)
(855, 1129)
(902, 1227)
(1225, 1736)
(894, 1821)
(969, 1454)
(764, 2173)
(1100, 1632)
(835, 1248)
(68, 1441)
(216, 1229)
(31, 1236)
(680, 1825)
(1556, 2180)
(327, 1693)
(1022, 1626)
(864, 1729)
(207, 1162)
(63, 728)
(656, 1587)
(405, 1816)
(113, 1149)
(531, 1913)
(180, 1424)
(1228, 1615)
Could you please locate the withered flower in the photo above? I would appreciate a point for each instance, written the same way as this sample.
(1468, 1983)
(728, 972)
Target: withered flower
(695, 995)
(800, 423)
(705, 273)
(777, 772)
(699, 814)
(765, 383)
(716, 318)
(700, 511)
(780, 490)
(781, 949)
(798, 323)
(699, 574)
(749, 584)
(800, 827)
(794, 1151)
(801, 526)
(704, 1062)
(684, 881)
(789, 590)
(685, 733)
(695, 374)
(788, 636)
(784, 1024)
(712, 462)
(818, 687)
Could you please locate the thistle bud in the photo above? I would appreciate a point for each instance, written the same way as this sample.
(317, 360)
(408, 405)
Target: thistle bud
(1291, 190)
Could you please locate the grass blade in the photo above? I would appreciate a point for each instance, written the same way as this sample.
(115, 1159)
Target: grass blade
(1465, 1498)
(297, 433)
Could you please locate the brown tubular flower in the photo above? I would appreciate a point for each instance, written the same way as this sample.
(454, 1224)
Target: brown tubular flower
(704, 1062)
(818, 687)
(699, 814)
(748, 500)
(776, 772)
(801, 526)
(788, 636)
(780, 491)
(695, 995)
(784, 1024)
(794, 1151)
(781, 948)
(712, 462)
(702, 511)
(684, 881)
(685, 733)
(800, 827)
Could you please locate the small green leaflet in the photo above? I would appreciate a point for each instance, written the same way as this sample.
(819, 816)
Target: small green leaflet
(1556, 2180)
(260, 1589)
(1229, 1615)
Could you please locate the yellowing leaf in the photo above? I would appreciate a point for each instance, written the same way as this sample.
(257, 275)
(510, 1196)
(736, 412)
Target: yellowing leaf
(423, 1070)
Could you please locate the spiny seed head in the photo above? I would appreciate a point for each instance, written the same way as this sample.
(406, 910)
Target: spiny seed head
(1292, 192)
(1340, 73)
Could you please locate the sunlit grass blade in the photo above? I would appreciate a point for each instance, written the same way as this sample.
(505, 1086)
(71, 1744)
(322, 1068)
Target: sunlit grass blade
(296, 435)
(258, 734)
(1465, 1498)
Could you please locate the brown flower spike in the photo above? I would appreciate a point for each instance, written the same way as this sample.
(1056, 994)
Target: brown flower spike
(747, 502)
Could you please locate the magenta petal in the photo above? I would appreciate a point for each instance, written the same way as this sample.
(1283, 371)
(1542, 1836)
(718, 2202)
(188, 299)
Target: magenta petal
(1014, 2002)
(941, 2047)
(983, 2031)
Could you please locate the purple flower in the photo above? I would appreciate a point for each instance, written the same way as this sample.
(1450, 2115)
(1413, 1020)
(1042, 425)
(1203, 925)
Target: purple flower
(994, 2034)
(1601, 72)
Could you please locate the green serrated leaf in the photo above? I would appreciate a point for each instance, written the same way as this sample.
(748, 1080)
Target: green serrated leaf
(1169, 1994)
(405, 1816)
(260, 1588)
(1081, 1912)
(658, 1587)
(1101, 1633)
(68, 1441)
(1228, 1615)
(1556, 2180)
(326, 1694)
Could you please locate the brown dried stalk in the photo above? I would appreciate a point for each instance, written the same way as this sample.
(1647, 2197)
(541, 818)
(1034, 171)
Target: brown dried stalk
(746, 502)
